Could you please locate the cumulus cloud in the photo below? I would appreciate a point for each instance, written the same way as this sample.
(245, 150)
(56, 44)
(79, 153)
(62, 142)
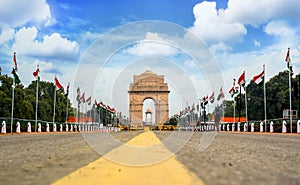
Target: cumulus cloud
(6, 34)
(153, 44)
(51, 46)
(230, 24)
(261, 11)
(211, 24)
(17, 13)
(278, 28)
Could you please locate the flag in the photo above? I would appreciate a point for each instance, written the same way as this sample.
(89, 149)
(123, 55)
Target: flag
(36, 73)
(234, 89)
(17, 79)
(112, 110)
(88, 101)
(259, 78)
(82, 98)
(57, 84)
(212, 97)
(67, 93)
(221, 94)
(241, 80)
(231, 92)
(102, 105)
(206, 100)
(287, 58)
(96, 104)
(15, 62)
(78, 94)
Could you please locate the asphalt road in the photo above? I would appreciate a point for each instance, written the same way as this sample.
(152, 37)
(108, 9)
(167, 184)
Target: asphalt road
(232, 158)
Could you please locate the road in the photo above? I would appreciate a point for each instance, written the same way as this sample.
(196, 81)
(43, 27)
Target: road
(232, 158)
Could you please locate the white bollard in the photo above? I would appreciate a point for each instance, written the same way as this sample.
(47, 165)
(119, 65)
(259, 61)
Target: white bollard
(227, 127)
(232, 127)
(271, 127)
(239, 127)
(54, 127)
(298, 126)
(252, 127)
(3, 127)
(71, 128)
(223, 127)
(28, 127)
(47, 127)
(75, 128)
(18, 129)
(284, 127)
(245, 127)
(261, 127)
(60, 127)
(39, 127)
(67, 128)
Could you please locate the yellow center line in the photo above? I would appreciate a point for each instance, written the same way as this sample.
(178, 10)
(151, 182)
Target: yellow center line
(145, 161)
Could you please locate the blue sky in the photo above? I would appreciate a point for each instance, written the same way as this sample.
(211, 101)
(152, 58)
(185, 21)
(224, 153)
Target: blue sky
(241, 35)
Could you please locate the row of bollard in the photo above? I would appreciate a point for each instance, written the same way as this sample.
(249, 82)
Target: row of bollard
(199, 128)
(261, 127)
(73, 128)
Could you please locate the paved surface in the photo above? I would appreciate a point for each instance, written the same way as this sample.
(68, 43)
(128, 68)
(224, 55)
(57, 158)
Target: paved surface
(232, 158)
(141, 156)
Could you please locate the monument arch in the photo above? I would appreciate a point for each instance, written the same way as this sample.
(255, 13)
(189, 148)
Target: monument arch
(148, 85)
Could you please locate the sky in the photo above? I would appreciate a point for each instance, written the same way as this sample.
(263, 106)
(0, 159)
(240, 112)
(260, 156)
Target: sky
(99, 45)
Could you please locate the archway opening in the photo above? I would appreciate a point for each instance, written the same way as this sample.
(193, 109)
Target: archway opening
(148, 112)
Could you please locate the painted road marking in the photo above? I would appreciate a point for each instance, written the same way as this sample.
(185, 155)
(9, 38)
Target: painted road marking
(104, 171)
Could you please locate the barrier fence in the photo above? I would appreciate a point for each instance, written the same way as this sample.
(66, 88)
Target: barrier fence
(28, 126)
(273, 126)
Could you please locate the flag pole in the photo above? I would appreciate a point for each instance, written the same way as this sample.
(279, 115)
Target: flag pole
(290, 92)
(54, 101)
(265, 99)
(246, 104)
(36, 100)
(233, 109)
(239, 103)
(67, 104)
(12, 105)
(86, 115)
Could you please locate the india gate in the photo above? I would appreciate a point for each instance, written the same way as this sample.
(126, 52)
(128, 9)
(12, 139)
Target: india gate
(148, 85)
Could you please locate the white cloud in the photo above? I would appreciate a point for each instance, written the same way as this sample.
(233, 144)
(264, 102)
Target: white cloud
(211, 24)
(220, 47)
(256, 43)
(53, 46)
(6, 34)
(261, 11)
(17, 13)
(229, 25)
(152, 45)
(278, 28)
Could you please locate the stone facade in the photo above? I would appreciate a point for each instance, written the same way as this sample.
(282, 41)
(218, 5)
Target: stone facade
(148, 85)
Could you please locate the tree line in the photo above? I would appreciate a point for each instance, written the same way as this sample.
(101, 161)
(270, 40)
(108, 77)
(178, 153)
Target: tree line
(25, 101)
(277, 98)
